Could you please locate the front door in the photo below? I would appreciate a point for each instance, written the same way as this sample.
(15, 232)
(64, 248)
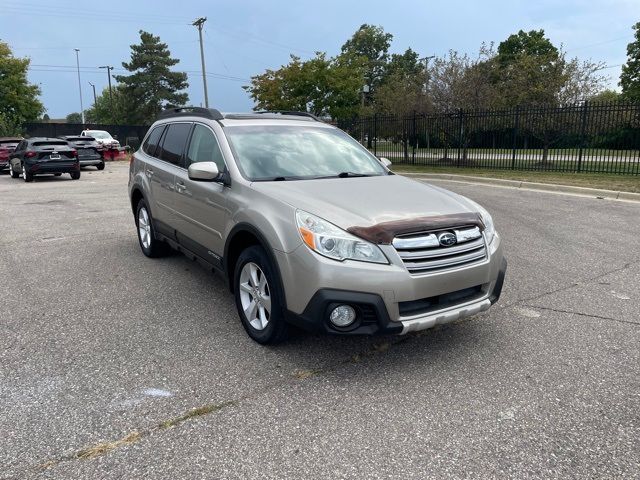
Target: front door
(201, 207)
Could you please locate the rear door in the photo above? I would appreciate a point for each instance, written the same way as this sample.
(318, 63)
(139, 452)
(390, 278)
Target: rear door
(201, 207)
(161, 170)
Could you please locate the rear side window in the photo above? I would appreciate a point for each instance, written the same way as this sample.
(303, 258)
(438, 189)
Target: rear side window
(204, 148)
(174, 142)
(151, 143)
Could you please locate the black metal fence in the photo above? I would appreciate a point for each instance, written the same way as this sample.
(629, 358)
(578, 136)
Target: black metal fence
(592, 137)
(130, 135)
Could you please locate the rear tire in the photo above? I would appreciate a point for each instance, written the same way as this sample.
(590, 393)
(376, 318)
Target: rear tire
(12, 172)
(150, 245)
(259, 298)
(75, 175)
(100, 166)
(27, 176)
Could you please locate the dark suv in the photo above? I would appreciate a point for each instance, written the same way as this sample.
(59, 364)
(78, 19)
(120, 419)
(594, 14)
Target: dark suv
(89, 150)
(39, 155)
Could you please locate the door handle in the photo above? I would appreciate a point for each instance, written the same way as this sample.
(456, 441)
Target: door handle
(181, 187)
(148, 173)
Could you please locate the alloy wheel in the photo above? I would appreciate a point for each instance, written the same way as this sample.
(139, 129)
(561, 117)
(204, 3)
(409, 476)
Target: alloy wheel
(255, 296)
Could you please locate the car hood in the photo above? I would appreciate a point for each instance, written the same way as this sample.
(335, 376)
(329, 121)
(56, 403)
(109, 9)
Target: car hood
(366, 201)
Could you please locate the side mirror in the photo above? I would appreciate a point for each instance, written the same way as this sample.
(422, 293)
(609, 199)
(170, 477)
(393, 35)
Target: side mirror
(385, 161)
(204, 171)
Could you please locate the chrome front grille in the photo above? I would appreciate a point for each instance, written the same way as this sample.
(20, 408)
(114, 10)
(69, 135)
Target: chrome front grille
(424, 253)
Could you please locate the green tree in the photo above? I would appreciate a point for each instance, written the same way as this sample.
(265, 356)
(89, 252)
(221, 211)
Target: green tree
(18, 98)
(405, 64)
(372, 44)
(110, 109)
(604, 96)
(530, 70)
(74, 117)
(152, 85)
(630, 76)
(320, 86)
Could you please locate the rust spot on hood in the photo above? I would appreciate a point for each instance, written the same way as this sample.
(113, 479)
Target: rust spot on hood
(384, 233)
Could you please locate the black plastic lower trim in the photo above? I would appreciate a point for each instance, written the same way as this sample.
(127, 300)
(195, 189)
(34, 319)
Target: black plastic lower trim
(372, 315)
(497, 288)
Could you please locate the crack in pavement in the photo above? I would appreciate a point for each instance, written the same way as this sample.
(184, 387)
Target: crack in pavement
(135, 435)
(569, 287)
(582, 314)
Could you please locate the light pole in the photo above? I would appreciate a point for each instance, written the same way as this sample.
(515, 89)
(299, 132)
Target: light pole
(109, 68)
(79, 84)
(94, 94)
(198, 23)
(365, 91)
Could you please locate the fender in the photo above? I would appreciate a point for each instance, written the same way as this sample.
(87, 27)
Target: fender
(246, 227)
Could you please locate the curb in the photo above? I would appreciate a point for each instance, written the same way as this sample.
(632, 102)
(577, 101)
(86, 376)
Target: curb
(547, 187)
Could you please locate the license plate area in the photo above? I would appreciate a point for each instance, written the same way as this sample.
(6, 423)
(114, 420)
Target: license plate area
(54, 156)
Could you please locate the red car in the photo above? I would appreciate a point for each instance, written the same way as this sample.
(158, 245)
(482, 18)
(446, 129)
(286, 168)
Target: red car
(7, 146)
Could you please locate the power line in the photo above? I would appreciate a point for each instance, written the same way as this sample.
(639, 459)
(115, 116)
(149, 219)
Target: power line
(88, 13)
(85, 70)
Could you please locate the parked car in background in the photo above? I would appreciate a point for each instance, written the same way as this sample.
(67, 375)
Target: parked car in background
(40, 155)
(308, 227)
(103, 137)
(89, 150)
(7, 145)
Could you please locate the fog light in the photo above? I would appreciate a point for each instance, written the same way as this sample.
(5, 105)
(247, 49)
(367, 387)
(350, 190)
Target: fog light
(342, 316)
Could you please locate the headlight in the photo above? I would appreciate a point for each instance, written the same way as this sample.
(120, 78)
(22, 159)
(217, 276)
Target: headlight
(489, 229)
(333, 242)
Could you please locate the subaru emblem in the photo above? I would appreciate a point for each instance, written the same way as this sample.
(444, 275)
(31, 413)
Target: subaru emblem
(447, 239)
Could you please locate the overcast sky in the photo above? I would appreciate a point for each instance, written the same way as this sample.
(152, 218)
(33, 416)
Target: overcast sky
(243, 38)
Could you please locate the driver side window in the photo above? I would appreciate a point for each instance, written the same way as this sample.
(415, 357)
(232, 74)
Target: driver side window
(204, 148)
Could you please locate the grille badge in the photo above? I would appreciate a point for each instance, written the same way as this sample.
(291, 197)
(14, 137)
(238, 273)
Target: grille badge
(447, 239)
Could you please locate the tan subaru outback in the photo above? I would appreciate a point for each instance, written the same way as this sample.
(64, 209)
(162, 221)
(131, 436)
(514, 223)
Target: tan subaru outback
(308, 227)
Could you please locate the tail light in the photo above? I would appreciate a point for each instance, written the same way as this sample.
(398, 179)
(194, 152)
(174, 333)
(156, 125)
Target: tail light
(29, 154)
(74, 153)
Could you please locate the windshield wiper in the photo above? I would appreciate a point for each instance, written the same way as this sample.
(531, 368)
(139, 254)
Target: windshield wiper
(279, 179)
(352, 174)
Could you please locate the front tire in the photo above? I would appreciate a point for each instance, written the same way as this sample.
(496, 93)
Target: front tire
(259, 297)
(12, 172)
(150, 245)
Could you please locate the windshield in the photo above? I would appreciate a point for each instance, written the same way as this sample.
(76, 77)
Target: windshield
(277, 152)
(98, 134)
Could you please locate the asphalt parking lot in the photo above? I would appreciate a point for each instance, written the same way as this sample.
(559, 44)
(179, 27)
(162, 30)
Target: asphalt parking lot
(105, 354)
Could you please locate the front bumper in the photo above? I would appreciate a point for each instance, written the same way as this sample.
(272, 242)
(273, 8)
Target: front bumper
(372, 316)
(402, 302)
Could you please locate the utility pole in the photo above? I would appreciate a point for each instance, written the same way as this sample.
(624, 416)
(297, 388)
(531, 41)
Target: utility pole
(94, 94)
(109, 68)
(79, 84)
(426, 71)
(199, 23)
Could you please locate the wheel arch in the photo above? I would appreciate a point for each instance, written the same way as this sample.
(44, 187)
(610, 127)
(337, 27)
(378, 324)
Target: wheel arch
(242, 236)
(136, 196)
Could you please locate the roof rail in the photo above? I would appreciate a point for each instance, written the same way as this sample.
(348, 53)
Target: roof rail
(210, 113)
(290, 112)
